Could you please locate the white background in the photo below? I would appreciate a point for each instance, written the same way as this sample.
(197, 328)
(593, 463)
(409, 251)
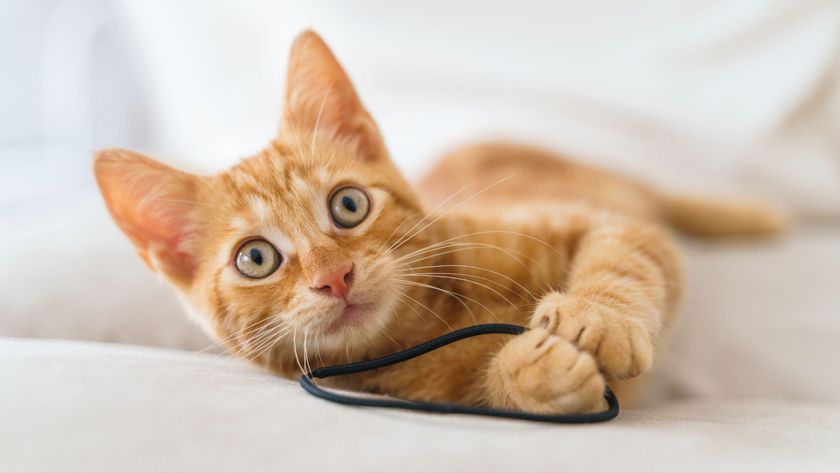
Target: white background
(740, 95)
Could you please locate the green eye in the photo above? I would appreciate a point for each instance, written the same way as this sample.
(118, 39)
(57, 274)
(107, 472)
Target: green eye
(257, 259)
(349, 206)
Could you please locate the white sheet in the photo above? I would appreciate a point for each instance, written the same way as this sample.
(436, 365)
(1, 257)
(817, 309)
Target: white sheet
(70, 406)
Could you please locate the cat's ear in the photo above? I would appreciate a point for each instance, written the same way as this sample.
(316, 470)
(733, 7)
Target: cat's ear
(153, 205)
(320, 97)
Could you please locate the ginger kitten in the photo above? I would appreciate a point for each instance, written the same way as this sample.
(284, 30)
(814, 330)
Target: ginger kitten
(317, 251)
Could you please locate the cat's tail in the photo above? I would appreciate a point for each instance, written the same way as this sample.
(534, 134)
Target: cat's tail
(708, 217)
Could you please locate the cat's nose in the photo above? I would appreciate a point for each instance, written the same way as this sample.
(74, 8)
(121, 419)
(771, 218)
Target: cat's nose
(334, 282)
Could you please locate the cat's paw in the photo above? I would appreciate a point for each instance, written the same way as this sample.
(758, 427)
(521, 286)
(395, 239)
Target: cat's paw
(620, 345)
(543, 373)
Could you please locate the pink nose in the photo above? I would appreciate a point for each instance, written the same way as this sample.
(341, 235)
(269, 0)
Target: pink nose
(335, 282)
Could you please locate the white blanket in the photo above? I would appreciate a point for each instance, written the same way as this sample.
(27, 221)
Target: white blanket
(74, 406)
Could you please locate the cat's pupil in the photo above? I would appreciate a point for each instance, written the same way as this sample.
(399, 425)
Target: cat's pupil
(256, 256)
(348, 203)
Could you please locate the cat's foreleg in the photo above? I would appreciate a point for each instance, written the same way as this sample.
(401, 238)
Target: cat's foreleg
(621, 288)
(602, 323)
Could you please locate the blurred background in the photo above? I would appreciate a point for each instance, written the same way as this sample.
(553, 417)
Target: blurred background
(724, 97)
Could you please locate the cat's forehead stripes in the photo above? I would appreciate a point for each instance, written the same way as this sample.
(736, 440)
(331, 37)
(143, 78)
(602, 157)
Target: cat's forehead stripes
(280, 240)
(238, 223)
(259, 208)
(288, 213)
(299, 185)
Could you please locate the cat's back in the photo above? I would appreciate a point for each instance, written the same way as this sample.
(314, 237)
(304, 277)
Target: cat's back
(507, 174)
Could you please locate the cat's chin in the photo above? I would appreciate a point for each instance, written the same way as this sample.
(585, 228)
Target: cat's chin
(355, 323)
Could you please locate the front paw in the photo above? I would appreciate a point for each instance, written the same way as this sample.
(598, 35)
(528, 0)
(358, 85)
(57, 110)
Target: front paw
(620, 345)
(543, 373)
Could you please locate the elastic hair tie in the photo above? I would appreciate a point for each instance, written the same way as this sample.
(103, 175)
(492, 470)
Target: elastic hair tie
(444, 408)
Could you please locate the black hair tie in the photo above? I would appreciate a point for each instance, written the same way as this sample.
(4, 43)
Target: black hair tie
(441, 408)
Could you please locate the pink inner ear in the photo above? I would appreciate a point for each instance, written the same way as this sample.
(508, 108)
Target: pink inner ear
(162, 230)
(152, 205)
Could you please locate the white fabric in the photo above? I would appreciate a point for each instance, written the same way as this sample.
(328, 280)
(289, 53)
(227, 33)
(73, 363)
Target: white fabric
(742, 95)
(710, 93)
(73, 406)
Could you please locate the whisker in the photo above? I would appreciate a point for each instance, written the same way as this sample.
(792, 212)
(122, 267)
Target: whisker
(476, 245)
(457, 297)
(232, 336)
(268, 342)
(470, 266)
(417, 232)
(428, 286)
(267, 346)
(458, 247)
(401, 297)
(428, 214)
(394, 342)
(456, 278)
(442, 246)
(503, 232)
(447, 244)
(318, 350)
(305, 351)
(294, 348)
(269, 328)
(378, 253)
(318, 122)
(427, 308)
(248, 329)
(249, 345)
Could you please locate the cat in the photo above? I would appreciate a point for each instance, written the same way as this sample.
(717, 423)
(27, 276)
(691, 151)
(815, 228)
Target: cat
(317, 251)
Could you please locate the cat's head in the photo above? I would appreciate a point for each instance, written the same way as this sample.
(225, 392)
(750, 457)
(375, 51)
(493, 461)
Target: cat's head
(293, 240)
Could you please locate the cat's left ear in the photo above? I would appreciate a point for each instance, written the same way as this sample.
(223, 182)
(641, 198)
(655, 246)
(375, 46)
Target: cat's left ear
(154, 205)
(320, 98)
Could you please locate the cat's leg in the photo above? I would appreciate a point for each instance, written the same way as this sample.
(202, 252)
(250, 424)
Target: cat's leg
(622, 286)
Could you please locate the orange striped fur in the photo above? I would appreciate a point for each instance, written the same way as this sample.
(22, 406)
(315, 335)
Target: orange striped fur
(502, 233)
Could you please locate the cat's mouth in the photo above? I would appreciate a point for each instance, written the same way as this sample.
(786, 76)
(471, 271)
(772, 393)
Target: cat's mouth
(350, 314)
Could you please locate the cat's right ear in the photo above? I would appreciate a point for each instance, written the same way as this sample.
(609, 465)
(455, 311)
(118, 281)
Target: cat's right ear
(320, 98)
(153, 205)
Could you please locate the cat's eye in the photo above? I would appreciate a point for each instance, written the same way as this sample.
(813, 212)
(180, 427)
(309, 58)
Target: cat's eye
(257, 259)
(349, 206)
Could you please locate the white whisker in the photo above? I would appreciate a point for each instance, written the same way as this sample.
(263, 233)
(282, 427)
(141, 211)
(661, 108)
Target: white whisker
(294, 348)
(428, 214)
(463, 279)
(428, 286)
(479, 268)
(318, 122)
(458, 247)
(250, 328)
(401, 297)
(417, 232)
(428, 309)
